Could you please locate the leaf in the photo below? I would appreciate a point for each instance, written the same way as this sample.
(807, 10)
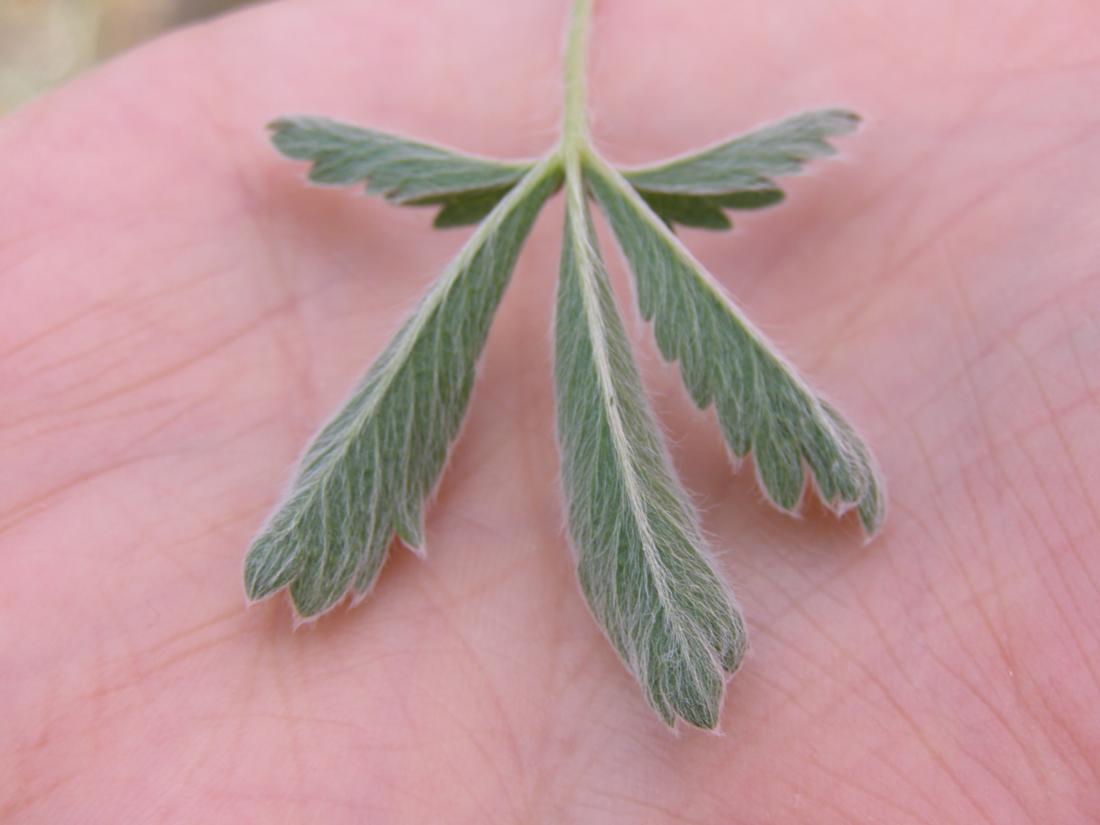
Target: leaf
(761, 402)
(368, 472)
(642, 562)
(463, 208)
(748, 162)
(401, 170)
(705, 211)
(702, 213)
(737, 173)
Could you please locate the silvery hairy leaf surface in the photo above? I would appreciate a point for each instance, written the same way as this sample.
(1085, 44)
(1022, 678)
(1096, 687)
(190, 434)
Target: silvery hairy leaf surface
(401, 170)
(641, 558)
(695, 189)
(762, 403)
(367, 474)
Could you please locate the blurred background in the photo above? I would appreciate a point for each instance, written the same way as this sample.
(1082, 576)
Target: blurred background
(44, 42)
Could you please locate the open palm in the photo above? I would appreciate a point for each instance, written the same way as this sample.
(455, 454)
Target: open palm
(180, 314)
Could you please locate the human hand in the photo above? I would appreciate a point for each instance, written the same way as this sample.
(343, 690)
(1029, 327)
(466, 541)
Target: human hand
(180, 313)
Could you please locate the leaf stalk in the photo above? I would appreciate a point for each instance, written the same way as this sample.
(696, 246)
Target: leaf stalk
(574, 139)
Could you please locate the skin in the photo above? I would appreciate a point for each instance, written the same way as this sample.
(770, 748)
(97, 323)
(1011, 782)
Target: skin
(180, 314)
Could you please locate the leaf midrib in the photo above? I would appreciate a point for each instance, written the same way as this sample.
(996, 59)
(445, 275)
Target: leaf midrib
(593, 317)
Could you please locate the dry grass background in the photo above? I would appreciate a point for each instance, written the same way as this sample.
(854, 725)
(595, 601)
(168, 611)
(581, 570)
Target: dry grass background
(43, 42)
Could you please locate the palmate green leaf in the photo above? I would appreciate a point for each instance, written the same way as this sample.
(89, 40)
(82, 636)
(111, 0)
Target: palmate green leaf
(642, 562)
(401, 170)
(761, 402)
(694, 189)
(367, 474)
